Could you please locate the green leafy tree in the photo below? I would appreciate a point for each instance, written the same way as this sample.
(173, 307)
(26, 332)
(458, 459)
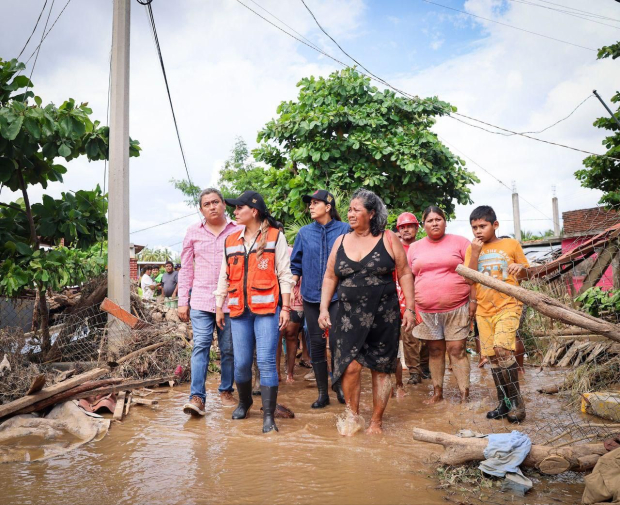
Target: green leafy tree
(32, 138)
(189, 189)
(343, 133)
(603, 173)
(162, 254)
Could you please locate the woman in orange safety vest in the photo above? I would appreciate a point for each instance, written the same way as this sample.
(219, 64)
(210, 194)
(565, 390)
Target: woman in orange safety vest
(255, 274)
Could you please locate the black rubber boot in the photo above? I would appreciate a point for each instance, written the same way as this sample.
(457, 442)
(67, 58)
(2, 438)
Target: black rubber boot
(320, 373)
(337, 388)
(502, 408)
(269, 395)
(244, 389)
(517, 410)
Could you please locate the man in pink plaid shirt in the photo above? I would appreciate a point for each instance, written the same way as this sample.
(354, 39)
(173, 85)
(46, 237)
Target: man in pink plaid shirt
(201, 260)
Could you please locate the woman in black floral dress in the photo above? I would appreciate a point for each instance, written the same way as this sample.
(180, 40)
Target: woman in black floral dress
(367, 326)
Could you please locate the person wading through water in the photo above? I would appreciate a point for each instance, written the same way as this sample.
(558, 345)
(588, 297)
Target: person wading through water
(309, 261)
(203, 247)
(444, 300)
(366, 327)
(255, 272)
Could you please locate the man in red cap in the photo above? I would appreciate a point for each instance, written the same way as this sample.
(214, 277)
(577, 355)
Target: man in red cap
(416, 353)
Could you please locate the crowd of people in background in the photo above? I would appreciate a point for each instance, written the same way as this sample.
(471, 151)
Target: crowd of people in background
(357, 294)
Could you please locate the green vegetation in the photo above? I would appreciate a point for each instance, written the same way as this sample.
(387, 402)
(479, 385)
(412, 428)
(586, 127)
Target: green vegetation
(32, 137)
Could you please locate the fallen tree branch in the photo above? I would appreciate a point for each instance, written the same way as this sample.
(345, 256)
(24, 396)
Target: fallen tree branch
(123, 386)
(25, 401)
(141, 351)
(545, 304)
(549, 460)
(65, 395)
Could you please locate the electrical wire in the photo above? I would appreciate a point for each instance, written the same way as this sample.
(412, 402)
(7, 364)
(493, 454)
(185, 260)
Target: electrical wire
(48, 32)
(509, 25)
(149, 12)
(568, 13)
(599, 16)
(33, 30)
(38, 50)
(161, 224)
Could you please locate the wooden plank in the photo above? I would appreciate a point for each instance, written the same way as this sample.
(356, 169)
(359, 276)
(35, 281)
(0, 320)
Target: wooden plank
(144, 401)
(28, 400)
(545, 304)
(120, 406)
(568, 357)
(599, 266)
(128, 403)
(126, 317)
(124, 386)
(562, 332)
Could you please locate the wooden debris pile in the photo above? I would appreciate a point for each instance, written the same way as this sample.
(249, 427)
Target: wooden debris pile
(575, 352)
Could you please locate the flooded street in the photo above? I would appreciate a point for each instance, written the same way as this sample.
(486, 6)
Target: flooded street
(160, 455)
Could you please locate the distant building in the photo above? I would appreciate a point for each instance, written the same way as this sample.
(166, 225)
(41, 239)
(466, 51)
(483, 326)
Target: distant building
(581, 225)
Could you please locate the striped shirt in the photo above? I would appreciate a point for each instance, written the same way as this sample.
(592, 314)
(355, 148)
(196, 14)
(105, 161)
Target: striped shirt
(201, 260)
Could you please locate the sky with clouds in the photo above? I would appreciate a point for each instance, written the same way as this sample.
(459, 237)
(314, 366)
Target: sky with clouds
(228, 70)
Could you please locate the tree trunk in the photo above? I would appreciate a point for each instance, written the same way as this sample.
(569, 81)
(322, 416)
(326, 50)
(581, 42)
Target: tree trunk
(545, 304)
(549, 460)
(44, 317)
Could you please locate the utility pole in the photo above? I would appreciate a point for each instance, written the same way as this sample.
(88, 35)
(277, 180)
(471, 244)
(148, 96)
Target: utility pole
(516, 216)
(118, 201)
(556, 215)
(605, 105)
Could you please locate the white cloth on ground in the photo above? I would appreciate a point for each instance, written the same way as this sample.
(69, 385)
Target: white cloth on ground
(505, 452)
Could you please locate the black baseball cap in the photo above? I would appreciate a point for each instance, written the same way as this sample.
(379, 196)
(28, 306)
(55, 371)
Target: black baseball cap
(320, 194)
(249, 198)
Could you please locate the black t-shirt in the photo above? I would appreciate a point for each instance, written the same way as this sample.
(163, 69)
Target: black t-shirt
(170, 282)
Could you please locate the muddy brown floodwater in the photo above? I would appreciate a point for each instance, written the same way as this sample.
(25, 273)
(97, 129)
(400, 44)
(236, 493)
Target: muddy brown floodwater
(158, 455)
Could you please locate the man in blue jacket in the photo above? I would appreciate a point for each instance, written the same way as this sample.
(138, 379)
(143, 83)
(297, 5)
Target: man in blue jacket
(312, 246)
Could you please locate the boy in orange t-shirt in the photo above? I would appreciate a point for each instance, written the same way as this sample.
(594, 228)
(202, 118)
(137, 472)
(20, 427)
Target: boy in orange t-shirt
(498, 314)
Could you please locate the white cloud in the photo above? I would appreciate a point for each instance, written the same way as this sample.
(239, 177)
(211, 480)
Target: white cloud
(525, 83)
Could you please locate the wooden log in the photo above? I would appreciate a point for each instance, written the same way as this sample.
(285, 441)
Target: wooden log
(148, 348)
(554, 465)
(123, 386)
(57, 398)
(144, 401)
(459, 450)
(545, 304)
(549, 390)
(119, 410)
(28, 400)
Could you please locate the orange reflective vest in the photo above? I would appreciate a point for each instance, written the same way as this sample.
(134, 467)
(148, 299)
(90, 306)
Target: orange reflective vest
(252, 282)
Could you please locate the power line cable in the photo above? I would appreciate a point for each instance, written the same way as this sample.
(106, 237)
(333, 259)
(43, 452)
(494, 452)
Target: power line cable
(38, 50)
(161, 224)
(33, 30)
(454, 113)
(494, 177)
(599, 16)
(509, 26)
(568, 13)
(48, 31)
(149, 11)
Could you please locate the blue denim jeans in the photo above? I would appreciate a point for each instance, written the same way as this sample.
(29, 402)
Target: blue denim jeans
(203, 324)
(250, 331)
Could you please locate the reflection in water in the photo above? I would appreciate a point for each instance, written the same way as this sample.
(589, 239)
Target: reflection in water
(159, 455)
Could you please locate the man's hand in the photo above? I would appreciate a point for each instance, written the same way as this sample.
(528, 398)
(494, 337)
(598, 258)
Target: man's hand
(183, 313)
(285, 317)
(219, 318)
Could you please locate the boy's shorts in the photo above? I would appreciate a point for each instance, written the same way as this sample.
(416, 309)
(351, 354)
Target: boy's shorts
(297, 316)
(499, 330)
